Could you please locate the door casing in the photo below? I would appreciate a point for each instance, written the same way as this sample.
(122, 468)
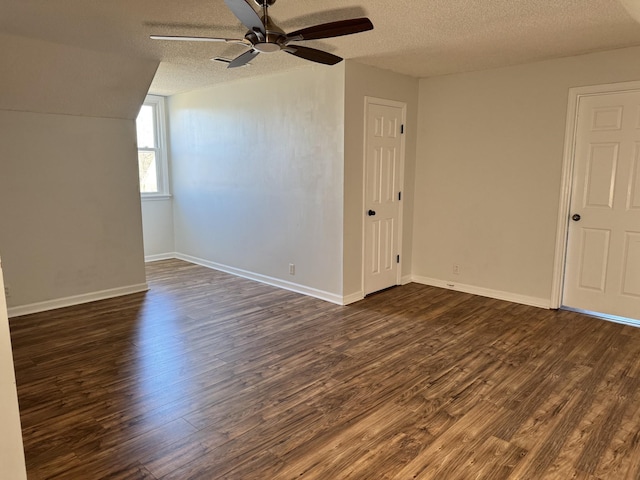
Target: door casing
(562, 227)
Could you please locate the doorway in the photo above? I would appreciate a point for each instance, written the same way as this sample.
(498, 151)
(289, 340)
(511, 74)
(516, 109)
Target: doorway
(600, 216)
(383, 180)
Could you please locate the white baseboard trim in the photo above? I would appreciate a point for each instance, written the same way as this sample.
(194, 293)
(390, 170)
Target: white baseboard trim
(161, 256)
(485, 292)
(75, 300)
(406, 279)
(353, 298)
(275, 282)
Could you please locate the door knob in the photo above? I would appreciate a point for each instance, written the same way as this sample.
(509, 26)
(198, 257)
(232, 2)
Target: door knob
(576, 217)
(371, 213)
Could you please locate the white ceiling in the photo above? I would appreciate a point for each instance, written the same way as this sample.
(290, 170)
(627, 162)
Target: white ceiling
(420, 38)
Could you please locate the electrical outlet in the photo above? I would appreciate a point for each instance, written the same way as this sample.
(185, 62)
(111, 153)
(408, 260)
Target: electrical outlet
(292, 269)
(456, 269)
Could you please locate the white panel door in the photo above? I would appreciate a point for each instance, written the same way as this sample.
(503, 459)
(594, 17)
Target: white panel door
(383, 163)
(602, 272)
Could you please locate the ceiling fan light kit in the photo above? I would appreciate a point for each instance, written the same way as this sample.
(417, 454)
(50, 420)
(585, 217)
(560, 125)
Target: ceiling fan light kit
(264, 36)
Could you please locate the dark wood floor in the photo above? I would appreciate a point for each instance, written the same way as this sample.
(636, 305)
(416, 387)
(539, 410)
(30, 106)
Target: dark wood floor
(211, 376)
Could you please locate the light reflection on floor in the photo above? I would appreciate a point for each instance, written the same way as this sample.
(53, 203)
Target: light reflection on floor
(160, 354)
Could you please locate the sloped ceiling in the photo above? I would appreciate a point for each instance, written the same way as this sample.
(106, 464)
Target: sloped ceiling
(46, 77)
(420, 38)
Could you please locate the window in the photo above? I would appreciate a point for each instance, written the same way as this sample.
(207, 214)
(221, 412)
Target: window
(152, 156)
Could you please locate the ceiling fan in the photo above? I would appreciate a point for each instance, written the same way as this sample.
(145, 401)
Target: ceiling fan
(264, 36)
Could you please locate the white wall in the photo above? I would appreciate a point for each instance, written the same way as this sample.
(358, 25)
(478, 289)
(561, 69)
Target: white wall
(69, 203)
(488, 172)
(257, 180)
(157, 227)
(361, 81)
(69, 206)
(12, 462)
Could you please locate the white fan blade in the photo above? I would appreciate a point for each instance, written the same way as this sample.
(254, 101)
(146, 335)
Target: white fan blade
(199, 39)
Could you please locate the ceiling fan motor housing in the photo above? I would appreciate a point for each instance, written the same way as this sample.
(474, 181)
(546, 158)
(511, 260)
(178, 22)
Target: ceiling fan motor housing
(272, 40)
(260, 3)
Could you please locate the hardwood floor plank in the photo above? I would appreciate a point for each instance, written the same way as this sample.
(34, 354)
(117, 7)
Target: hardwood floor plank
(209, 376)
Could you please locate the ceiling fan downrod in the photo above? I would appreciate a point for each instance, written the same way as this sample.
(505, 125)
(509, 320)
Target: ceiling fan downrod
(272, 38)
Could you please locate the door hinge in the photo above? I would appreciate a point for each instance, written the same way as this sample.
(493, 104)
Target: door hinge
(402, 129)
(398, 259)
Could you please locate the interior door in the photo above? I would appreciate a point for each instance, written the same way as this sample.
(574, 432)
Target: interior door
(383, 164)
(602, 272)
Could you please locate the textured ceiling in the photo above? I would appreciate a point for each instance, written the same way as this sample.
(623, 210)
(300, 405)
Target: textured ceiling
(421, 38)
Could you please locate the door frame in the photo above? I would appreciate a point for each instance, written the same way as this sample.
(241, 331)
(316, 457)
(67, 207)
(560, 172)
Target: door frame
(566, 185)
(368, 100)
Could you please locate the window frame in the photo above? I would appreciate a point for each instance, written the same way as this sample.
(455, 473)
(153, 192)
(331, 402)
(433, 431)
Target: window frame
(157, 103)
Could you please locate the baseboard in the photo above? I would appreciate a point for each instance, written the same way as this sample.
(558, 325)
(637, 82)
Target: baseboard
(161, 256)
(353, 298)
(275, 282)
(406, 279)
(485, 292)
(75, 300)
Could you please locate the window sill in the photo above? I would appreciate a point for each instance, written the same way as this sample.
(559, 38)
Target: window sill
(152, 197)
